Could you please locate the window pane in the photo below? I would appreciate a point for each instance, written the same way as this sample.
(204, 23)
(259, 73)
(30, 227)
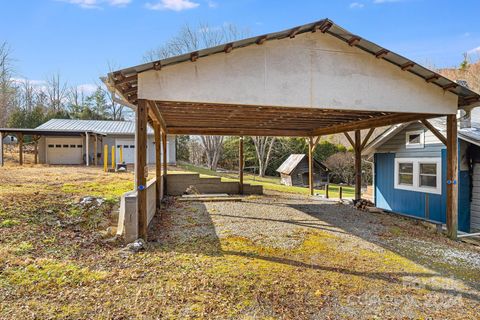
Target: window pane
(414, 138)
(50, 145)
(406, 179)
(72, 146)
(428, 181)
(58, 146)
(79, 145)
(428, 168)
(405, 168)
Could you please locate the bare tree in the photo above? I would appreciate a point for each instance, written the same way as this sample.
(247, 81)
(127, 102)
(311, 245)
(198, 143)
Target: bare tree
(57, 92)
(263, 148)
(191, 39)
(7, 91)
(213, 148)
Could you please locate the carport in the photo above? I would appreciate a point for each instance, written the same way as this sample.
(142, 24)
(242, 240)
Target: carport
(309, 81)
(36, 134)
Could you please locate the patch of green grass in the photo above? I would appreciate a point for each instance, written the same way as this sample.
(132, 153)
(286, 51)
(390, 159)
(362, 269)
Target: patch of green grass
(108, 189)
(47, 274)
(9, 223)
(270, 183)
(23, 248)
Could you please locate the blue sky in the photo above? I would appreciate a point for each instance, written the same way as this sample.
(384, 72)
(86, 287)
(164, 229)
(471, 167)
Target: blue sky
(79, 38)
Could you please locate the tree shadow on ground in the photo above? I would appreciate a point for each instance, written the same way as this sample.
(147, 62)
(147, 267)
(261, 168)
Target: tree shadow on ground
(190, 229)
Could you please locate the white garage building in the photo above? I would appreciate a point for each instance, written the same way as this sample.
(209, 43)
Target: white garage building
(68, 149)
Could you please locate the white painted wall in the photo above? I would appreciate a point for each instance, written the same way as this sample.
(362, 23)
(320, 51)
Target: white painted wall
(312, 70)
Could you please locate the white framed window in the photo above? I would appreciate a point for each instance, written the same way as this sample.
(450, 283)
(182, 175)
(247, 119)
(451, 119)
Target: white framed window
(419, 174)
(415, 139)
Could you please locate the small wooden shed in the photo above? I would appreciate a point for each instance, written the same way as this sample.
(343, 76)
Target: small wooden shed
(294, 171)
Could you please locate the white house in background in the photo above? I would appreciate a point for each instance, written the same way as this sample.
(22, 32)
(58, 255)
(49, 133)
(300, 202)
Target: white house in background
(70, 149)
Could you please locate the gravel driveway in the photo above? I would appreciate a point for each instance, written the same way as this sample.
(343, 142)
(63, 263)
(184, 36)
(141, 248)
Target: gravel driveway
(373, 264)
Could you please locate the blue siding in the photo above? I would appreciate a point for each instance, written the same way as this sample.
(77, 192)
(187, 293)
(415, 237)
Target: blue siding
(413, 202)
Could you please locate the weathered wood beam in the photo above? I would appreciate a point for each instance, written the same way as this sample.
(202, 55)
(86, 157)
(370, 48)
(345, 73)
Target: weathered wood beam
(157, 65)
(158, 166)
(164, 161)
(432, 78)
(353, 40)
(310, 165)
(347, 135)
(381, 53)
(140, 168)
(240, 165)
(358, 166)
(95, 150)
(452, 177)
(434, 130)
(407, 65)
(194, 56)
(293, 32)
(261, 40)
(228, 47)
(326, 26)
(1, 149)
(235, 131)
(372, 123)
(449, 86)
(367, 138)
(20, 148)
(158, 116)
(126, 80)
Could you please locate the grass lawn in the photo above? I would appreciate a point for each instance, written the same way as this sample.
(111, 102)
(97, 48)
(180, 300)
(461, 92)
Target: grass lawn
(262, 258)
(270, 183)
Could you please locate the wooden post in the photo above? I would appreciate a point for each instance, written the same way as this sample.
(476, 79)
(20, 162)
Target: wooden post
(140, 164)
(340, 193)
(326, 191)
(1, 149)
(158, 164)
(164, 161)
(240, 165)
(310, 165)
(87, 149)
(452, 177)
(113, 158)
(35, 146)
(20, 148)
(95, 146)
(358, 166)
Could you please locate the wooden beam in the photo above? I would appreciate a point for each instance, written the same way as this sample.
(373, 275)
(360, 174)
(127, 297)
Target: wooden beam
(372, 123)
(449, 86)
(164, 161)
(240, 165)
(407, 65)
(35, 151)
(367, 138)
(326, 26)
(293, 32)
(140, 168)
(315, 142)
(152, 105)
(228, 47)
(381, 53)
(310, 165)
(194, 56)
(95, 150)
(358, 166)
(432, 78)
(437, 133)
(1, 149)
(158, 166)
(87, 150)
(261, 40)
(353, 40)
(126, 80)
(20, 148)
(157, 65)
(347, 135)
(452, 177)
(235, 131)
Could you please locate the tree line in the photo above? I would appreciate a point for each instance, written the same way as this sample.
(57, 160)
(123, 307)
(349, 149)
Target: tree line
(28, 104)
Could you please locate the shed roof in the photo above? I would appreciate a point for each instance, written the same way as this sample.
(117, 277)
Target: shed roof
(292, 162)
(103, 126)
(126, 80)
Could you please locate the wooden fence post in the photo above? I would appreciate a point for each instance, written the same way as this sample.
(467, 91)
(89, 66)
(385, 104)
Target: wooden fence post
(240, 165)
(358, 166)
(452, 177)
(140, 165)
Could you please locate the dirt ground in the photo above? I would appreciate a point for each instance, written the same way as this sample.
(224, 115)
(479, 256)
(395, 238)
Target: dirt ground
(269, 257)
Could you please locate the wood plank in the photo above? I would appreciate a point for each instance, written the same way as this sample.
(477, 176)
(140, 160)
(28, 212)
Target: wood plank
(437, 133)
(1, 149)
(358, 166)
(367, 138)
(347, 135)
(240, 164)
(164, 161)
(154, 107)
(236, 131)
(310, 165)
(452, 177)
(140, 166)
(158, 165)
(20, 148)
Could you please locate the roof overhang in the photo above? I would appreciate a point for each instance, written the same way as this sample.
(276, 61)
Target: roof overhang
(40, 132)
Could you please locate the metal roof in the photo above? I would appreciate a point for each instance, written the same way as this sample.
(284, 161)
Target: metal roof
(292, 162)
(126, 80)
(103, 126)
(47, 132)
(471, 134)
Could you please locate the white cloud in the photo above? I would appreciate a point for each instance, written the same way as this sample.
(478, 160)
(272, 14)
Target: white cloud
(87, 88)
(175, 5)
(97, 4)
(212, 4)
(474, 50)
(356, 5)
(386, 1)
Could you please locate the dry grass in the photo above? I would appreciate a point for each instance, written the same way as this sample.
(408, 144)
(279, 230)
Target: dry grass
(339, 263)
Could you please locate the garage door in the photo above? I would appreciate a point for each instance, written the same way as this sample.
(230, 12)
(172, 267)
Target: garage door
(64, 150)
(128, 150)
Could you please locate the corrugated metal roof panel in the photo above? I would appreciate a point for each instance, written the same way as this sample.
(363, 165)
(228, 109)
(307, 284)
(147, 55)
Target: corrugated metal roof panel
(103, 126)
(291, 163)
